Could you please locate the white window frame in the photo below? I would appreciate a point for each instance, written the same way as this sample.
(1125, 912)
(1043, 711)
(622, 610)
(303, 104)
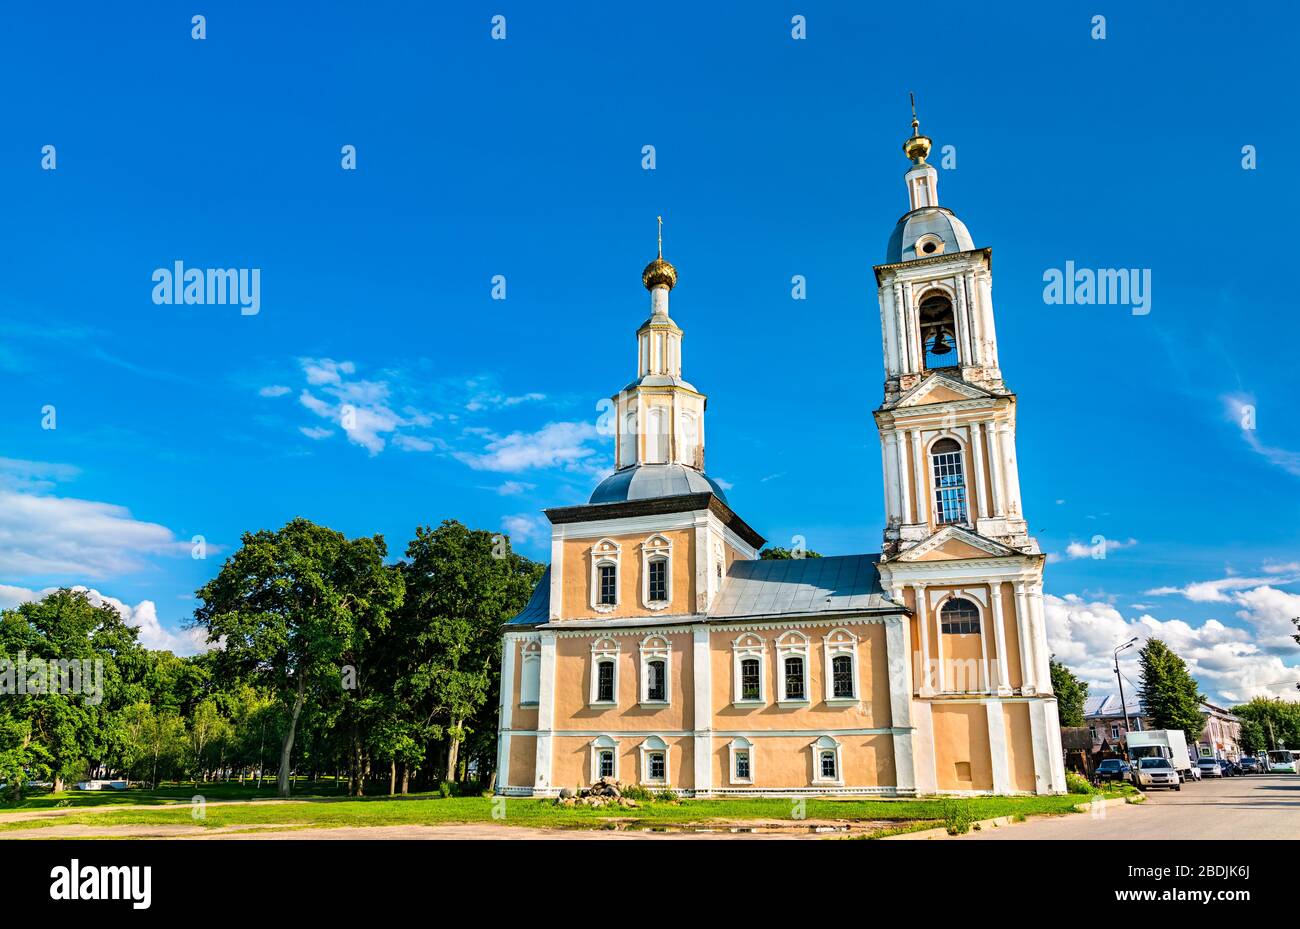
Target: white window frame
(530, 662)
(604, 648)
(656, 647)
(792, 644)
(653, 548)
(840, 643)
(605, 552)
(656, 417)
(748, 645)
(600, 744)
(1114, 731)
(825, 744)
(649, 746)
(967, 481)
(740, 744)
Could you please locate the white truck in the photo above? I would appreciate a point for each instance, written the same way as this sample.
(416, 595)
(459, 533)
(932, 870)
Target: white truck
(1162, 743)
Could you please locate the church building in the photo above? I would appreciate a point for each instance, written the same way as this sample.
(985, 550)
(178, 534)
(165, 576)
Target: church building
(659, 649)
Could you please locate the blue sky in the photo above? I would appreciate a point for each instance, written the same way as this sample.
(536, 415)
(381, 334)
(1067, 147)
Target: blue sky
(522, 158)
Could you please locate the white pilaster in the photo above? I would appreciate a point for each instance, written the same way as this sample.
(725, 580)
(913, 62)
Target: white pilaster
(975, 435)
(889, 467)
(898, 661)
(923, 630)
(995, 469)
(1043, 747)
(1007, 442)
(1000, 637)
(1027, 676)
(998, 747)
(545, 716)
(904, 477)
(702, 676)
(508, 647)
(918, 475)
(557, 573)
(927, 780)
(1052, 719)
(1039, 631)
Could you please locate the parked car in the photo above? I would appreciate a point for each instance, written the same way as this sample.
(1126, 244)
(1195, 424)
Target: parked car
(1192, 773)
(1209, 767)
(1234, 769)
(1157, 772)
(1114, 769)
(1251, 766)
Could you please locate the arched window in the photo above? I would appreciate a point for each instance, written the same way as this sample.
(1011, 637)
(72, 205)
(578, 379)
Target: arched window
(949, 482)
(938, 331)
(842, 676)
(751, 687)
(959, 617)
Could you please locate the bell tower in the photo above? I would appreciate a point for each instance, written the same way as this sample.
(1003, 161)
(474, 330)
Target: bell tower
(956, 547)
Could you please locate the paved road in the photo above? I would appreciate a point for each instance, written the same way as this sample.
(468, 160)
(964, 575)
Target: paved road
(1258, 806)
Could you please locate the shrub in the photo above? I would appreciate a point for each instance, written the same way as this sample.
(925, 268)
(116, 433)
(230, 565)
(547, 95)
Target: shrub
(667, 796)
(444, 789)
(956, 817)
(1078, 784)
(636, 792)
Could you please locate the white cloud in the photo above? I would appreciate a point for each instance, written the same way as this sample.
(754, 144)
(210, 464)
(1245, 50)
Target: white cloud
(512, 488)
(144, 616)
(525, 527)
(1099, 548)
(274, 390)
(1216, 591)
(1231, 663)
(44, 534)
(1240, 409)
(561, 445)
(316, 432)
(361, 408)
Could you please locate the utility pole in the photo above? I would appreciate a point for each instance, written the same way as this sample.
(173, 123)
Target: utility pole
(1122, 702)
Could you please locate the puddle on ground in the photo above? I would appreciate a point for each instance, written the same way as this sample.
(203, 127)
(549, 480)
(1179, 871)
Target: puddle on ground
(792, 828)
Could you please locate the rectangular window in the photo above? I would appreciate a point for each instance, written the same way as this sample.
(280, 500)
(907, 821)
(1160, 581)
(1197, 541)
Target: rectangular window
(1114, 731)
(530, 680)
(608, 585)
(828, 765)
(605, 682)
(794, 679)
(658, 580)
(606, 763)
(842, 676)
(657, 769)
(742, 765)
(749, 683)
(949, 488)
(655, 686)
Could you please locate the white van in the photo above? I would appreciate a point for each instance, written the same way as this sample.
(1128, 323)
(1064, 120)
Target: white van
(1162, 743)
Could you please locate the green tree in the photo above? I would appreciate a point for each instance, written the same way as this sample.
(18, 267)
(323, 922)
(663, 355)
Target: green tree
(1070, 694)
(289, 606)
(462, 584)
(1278, 721)
(776, 553)
(1169, 692)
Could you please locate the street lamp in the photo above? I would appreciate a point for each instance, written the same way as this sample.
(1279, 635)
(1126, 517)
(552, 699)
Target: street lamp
(1122, 702)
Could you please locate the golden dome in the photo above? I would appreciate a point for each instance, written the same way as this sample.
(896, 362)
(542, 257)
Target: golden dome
(659, 273)
(918, 146)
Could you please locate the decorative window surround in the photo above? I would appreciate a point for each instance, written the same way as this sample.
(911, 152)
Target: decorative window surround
(655, 746)
(792, 644)
(836, 644)
(741, 746)
(603, 649)
(753, 646)
(824, 745)
(530, 673)
(656, 648)
(598, 747)
(604, 552)
(654, 548)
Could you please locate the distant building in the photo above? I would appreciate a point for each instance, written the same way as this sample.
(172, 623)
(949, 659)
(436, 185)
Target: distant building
(1104, 717)
(1221, 737)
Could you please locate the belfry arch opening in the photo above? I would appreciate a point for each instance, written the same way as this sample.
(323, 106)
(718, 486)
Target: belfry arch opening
(938, 331)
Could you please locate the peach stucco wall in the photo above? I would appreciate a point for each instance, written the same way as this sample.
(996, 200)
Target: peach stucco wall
(961, 747)
(1020, 747)
(783, 762)
(577, 590)
(573, 669)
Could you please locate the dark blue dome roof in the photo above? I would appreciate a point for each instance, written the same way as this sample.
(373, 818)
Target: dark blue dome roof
(642, 482)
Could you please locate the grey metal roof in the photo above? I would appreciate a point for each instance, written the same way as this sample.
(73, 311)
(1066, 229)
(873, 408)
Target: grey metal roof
(538, 609)
(1107, 706)
(936, 220)
(641, 482)
(805, 585)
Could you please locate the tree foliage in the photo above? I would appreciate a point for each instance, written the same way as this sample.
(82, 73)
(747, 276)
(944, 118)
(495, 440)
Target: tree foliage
(1170, 694)
(1070, 694)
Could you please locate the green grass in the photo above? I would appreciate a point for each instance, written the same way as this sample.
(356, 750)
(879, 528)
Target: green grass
(38, 799)
(326, 812)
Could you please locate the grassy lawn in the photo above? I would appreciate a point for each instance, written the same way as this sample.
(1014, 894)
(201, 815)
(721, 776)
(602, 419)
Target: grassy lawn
(39, 799)
(323, 812)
